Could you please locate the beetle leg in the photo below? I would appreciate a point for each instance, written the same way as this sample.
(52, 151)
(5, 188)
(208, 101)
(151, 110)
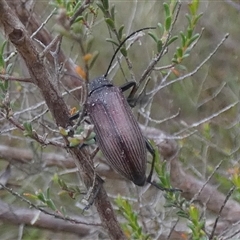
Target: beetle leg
(128, 85)
(149, 178)
(131, 99)
(93, 191)
(152, 152)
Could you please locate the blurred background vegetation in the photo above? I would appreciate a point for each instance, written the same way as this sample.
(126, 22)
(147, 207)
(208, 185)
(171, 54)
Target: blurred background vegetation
(205, 132)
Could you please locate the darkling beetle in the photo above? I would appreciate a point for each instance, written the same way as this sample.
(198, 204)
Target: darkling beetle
(118, 134)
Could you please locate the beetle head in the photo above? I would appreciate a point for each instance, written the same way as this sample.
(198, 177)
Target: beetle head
(97, 83)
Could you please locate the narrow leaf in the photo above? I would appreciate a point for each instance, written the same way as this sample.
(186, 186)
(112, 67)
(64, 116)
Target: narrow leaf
(195, 37)
(113, 12)
(172, 39)
(112, 41)
(110, 23)
(166, 9)
(105, 4)
(159, 46)
(153, 36)
(168, 23)
(120, 31)
(123, 51)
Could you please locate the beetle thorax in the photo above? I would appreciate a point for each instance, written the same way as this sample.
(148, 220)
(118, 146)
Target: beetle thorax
(98, 83)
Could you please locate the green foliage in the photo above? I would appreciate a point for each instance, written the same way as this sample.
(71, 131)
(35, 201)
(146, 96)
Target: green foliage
(165, 30)
(71, 6)
(43, 198)
(72, 191)
(109, 16)
(4, 85)
(131, 227)
(188, 39)
(77, 25)
(28, 132)
(83, 135)
(174, 200)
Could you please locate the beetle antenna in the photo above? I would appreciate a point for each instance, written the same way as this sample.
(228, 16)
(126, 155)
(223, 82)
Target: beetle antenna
(163, 188)
(121, 44)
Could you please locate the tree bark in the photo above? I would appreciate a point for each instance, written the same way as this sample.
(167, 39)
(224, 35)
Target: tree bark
(41, 77)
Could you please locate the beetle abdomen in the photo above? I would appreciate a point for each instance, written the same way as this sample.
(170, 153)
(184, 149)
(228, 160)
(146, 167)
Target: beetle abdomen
(118, 134)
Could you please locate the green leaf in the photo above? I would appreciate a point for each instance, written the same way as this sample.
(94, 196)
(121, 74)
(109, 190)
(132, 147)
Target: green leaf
(166, 9)
(197, 18)
(78, 4)
(78, 19)
(94, 58)
(194, 213)
(172, 39)
(9, 68)
(5, 85)
(179, 52)
(120, 31)
(101, 7)
(153, 36)
(89, 43)
(2, 63)
(90, 142)
(73, 141)
(110, 23)
(185, 55)
(62, 184)
(48, 193)
(183, 214)
(159, 46)
(168, 23)
(195, 37)
(193, 7)
(123, 51)
(28, 129)
(189, 19)
(112, 41)
(113, 12)
(189, 32)
(50, 204)
(174, 60)
(41, 197)
(2, 87)
(105, 4)
(183, 38)
(63, 131)
(160, 26)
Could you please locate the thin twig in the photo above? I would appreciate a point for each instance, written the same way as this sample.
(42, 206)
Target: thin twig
(158, 121)
(220, 211)
(155, 60)
(50, 45)
(46, 212)
(199, 66)
(43, 23)
(206, 182)
(216, 114)
(12, 78)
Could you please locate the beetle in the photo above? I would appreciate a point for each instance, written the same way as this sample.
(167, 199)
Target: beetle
(118, 134)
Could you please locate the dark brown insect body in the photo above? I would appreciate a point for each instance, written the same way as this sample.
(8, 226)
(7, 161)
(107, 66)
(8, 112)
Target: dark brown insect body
(117, 131)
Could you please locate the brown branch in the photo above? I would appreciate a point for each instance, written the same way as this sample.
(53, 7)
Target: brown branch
(41, 76)
(169, 149)
(18, 216)
(22, 156)
(12, 78)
